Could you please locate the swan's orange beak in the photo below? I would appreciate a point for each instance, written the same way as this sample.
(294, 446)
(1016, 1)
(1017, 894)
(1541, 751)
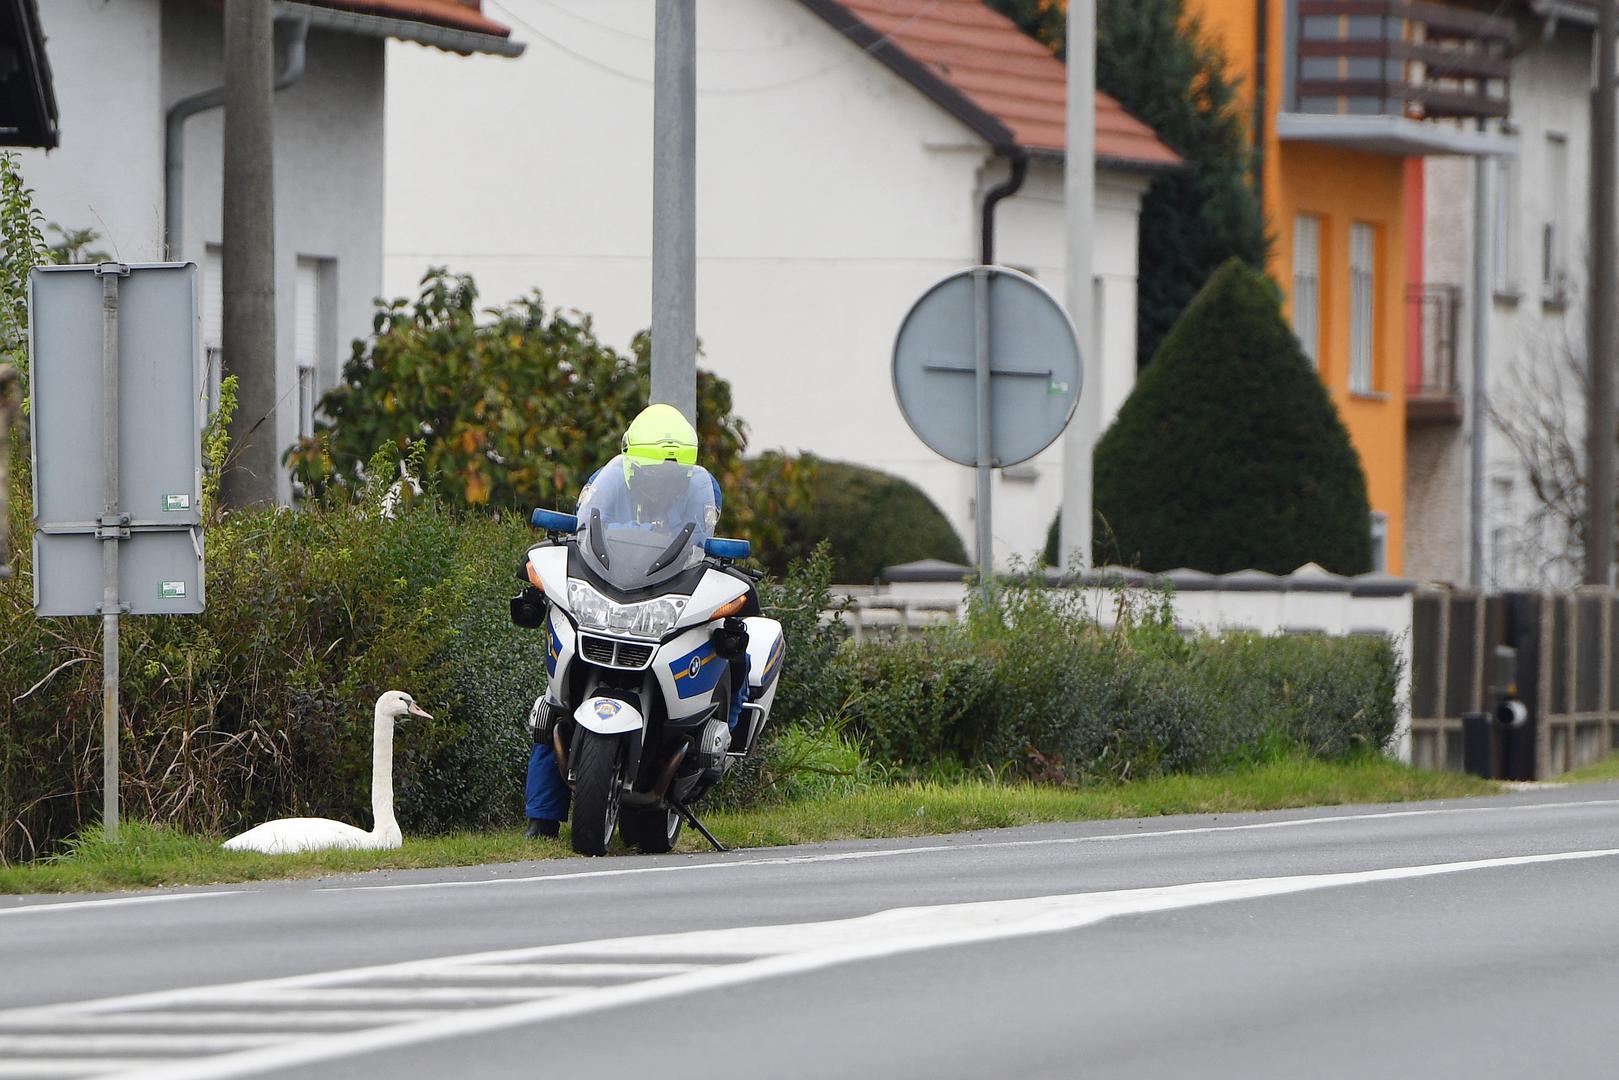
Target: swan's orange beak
(417, 710)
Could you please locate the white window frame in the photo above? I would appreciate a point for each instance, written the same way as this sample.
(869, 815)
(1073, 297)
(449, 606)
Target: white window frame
(1504, 256)
(1553, 253)
(1362, 307)
(308, 319)
(1307, 285)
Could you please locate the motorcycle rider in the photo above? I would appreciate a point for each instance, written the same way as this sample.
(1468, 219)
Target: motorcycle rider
(658, 434)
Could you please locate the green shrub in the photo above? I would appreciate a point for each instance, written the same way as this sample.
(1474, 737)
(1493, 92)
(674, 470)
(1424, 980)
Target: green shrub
(515, 407)
(261, 707)
(1229, 453)
(1031, 682)
(870, 519)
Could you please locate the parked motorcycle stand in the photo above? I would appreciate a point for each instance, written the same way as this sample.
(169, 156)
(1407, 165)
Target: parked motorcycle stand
(691, 819)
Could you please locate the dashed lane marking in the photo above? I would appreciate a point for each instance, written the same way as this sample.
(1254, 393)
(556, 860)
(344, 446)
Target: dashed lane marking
(702, 960)
(927, 849)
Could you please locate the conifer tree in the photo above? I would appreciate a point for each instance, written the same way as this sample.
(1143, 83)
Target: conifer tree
(1229, 454)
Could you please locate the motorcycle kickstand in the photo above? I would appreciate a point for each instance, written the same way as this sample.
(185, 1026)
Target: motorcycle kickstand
(685, 812)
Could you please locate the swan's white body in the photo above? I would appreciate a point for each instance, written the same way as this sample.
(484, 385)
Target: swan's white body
(288, 835)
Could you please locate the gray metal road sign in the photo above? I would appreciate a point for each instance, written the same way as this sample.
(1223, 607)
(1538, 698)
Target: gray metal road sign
(116, 404)
(157, 458)
(987, 371)
(1034, 366)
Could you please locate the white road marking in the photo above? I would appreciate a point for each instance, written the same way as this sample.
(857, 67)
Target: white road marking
(760, 952)
(61, 1018)
(519, 972)
(410, 995)
(145, 1044)
(889, 853)
(40, 1068)
(78, 905)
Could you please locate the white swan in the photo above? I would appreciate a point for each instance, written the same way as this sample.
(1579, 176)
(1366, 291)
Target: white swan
(312, 834)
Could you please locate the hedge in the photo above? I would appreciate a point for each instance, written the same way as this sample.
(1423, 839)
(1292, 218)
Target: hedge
(1032, 686)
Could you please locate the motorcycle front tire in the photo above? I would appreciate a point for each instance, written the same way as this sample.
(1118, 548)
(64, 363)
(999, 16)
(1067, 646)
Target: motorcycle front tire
(598, 769)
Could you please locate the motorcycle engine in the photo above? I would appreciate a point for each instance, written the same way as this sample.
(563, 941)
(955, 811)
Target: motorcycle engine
(712, 746)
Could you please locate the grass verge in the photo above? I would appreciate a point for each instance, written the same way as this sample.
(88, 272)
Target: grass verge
(150, 856)
(1595, 773)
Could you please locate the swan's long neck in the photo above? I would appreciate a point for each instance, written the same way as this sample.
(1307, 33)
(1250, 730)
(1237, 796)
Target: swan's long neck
(382, 774)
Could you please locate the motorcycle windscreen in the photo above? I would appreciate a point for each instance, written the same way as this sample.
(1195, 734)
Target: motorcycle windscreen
(642, 523)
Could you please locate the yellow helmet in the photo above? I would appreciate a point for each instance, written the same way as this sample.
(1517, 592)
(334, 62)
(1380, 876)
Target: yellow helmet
(661, 433)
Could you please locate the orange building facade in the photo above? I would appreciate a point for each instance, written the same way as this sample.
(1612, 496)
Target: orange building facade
(1343, 112)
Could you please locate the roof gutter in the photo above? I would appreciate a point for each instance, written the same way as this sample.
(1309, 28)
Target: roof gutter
(440, 37)
(174, 133)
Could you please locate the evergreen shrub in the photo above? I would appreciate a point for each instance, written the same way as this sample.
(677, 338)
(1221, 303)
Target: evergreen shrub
(1229, 454)
(869, 519)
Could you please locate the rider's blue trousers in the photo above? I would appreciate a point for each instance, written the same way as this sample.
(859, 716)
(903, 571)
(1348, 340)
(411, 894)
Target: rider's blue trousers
(546, 793)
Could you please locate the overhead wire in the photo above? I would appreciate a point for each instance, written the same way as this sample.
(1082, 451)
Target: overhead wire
(711, 91)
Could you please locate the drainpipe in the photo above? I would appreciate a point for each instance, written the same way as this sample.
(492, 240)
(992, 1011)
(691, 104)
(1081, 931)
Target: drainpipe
(174, 152)
(1019, 160)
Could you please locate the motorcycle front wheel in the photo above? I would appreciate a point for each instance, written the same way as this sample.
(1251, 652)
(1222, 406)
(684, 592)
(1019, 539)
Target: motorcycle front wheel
(598, 769)
(651, 831)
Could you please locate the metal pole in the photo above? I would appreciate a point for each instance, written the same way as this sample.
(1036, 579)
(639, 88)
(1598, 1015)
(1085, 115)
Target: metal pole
(111, 527)
(249, 255)
(1079, 196)
(982, 513)
(1479, 403)
(674, 207)
(5, 484)
(1600, 418)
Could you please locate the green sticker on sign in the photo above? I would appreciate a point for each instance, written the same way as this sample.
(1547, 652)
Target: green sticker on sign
(172, 590)
(176, 502)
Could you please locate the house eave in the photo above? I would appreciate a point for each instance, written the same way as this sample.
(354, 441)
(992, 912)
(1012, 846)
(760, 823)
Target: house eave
(381, 26)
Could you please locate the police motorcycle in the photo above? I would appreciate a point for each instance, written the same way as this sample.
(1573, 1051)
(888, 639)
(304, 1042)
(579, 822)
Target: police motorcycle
(652, 632)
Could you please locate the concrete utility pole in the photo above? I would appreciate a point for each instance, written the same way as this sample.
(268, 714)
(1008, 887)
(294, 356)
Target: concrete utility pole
(674, 207)
(249, 255)
(1478, 410)
(1600, 417)
(1079, 195)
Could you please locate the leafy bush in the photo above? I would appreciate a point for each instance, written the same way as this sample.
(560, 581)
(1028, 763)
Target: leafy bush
(1229, 454)
(516, 407)
(870, 519)
(1032, 682)
(261, 707)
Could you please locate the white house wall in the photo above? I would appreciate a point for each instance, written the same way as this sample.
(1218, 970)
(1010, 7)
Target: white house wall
(119, 66)
(831, 193)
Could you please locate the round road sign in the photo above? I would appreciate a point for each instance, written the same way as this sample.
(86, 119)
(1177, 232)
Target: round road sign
(1035, 369)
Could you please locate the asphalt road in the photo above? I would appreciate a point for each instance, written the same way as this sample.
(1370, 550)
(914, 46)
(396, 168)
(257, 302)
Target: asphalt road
(1477, 938)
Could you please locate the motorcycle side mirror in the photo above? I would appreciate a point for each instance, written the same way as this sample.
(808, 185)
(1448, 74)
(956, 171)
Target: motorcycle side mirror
(554, 521)
(720, 547)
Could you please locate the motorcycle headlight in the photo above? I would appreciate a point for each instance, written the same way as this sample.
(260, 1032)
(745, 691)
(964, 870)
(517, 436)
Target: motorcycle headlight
(649, 619)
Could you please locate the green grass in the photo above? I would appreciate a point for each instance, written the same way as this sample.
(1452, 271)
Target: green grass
(151, 856)
(1596, 773)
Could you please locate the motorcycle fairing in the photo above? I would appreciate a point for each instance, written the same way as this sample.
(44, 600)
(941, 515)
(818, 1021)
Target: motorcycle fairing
(559, 652)
(550, 562)
(716, 589)
(687, 695)
(767, 649)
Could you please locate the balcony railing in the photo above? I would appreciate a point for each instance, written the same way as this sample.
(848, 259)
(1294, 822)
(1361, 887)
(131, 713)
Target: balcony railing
(1419, 61)
(1432, 316)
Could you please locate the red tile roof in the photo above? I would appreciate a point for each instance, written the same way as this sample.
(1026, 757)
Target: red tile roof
(455, 14)
(976, 63)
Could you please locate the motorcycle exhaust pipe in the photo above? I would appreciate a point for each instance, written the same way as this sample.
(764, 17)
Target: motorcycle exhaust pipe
(659, 790)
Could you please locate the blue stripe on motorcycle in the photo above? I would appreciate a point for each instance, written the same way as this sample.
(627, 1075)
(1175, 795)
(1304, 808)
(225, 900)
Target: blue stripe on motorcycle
(698, 672)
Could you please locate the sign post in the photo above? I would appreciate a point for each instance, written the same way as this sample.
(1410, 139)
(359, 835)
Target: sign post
(1025, 368)
(117, 348)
